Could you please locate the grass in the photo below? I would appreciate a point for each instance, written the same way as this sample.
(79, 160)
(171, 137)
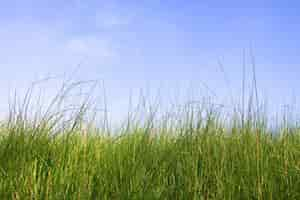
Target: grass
(191, 157)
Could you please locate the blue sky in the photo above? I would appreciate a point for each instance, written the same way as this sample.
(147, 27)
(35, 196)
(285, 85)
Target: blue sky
(154, 45)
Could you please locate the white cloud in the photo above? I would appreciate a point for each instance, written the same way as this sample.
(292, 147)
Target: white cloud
(34, 50)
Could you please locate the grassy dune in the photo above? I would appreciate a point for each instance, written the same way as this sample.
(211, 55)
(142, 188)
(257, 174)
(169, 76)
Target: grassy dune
(188, 158)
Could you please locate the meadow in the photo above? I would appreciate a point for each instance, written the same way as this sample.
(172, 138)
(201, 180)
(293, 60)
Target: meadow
(199, 154)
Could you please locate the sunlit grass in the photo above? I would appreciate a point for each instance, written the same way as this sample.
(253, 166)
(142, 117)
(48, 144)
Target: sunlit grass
(195, 156)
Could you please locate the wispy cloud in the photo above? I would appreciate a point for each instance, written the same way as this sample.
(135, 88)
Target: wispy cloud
(37, 49)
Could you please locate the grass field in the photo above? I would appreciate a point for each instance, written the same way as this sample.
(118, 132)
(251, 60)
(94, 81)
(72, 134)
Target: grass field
(193, 157)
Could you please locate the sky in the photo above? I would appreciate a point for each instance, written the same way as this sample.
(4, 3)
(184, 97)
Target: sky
(173, 48)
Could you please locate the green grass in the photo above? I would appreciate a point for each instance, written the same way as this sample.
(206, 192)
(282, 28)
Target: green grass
(187, 158)
(206, 162)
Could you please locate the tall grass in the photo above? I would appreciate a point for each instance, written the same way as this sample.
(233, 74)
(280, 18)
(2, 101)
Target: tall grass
(196, 155)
